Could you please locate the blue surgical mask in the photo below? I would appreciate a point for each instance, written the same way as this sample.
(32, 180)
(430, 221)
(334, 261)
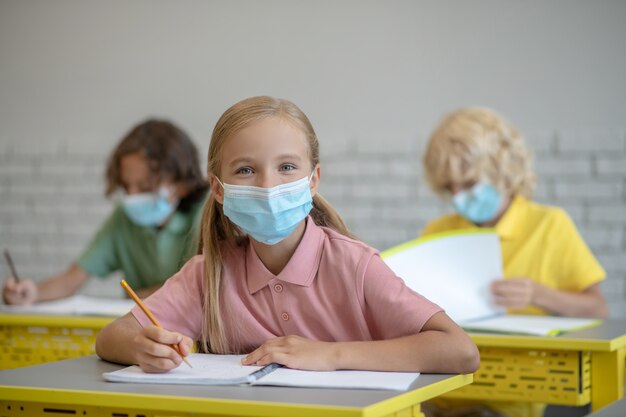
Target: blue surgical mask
(149, 209)
(268, 215)
(479, 204)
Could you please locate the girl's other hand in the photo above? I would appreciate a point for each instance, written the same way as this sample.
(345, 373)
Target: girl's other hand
(294, 352)
(153, 350)
(22, 292)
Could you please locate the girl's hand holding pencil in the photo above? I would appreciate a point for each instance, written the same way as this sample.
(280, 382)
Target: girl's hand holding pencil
(157, 349)
(154, 352)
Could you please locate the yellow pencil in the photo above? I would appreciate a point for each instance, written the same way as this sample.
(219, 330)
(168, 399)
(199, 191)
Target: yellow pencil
(148, 313)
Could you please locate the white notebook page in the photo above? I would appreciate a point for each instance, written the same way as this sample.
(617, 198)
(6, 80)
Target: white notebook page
(453, 270)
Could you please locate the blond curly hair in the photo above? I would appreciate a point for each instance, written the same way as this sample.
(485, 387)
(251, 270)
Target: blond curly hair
(477, 144)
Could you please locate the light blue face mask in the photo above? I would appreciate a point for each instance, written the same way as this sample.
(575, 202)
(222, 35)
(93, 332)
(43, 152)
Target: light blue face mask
(479, 204)
(268, 215)
(149, 209)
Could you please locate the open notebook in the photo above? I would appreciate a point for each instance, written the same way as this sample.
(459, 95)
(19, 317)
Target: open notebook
(76, 305)
(455, 269)
(211, 369)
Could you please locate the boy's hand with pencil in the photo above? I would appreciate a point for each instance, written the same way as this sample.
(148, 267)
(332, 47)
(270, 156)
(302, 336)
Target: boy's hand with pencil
(22, 292)
(15, 290)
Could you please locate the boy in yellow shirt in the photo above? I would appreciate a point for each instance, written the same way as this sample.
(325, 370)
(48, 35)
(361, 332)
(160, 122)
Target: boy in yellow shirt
(480, 162)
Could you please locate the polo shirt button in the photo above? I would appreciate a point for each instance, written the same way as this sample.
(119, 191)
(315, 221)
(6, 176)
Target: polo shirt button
(278, 288)
(285, 316)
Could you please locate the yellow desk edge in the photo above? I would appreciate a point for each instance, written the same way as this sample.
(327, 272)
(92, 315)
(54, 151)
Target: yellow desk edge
(545, 342)
(226, 406)
(18, 319)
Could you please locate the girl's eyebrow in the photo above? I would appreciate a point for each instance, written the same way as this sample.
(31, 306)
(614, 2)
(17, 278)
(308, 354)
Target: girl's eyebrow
(289, 156)
(247, 160)
(241, 160)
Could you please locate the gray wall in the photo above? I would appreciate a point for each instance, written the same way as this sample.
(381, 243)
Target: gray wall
(374, 78)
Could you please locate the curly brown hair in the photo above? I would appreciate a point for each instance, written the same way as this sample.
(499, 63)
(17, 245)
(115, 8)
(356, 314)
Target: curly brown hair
(170, 153)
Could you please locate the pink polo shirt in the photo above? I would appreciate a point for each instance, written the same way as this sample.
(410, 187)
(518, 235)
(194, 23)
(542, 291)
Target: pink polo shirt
(333, 289)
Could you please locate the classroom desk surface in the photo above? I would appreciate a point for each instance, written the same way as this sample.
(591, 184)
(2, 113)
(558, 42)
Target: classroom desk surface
(573, 368)
(75, 386)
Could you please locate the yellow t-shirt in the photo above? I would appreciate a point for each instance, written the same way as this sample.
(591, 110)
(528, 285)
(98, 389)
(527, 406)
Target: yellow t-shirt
(538, 242)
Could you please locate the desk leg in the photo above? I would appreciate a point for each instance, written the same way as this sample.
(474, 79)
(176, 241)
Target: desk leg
(607, 377)
(417, 411)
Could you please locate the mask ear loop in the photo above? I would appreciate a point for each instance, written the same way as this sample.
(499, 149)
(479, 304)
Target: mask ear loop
(310, 178)
(218, 180)
(221, 183)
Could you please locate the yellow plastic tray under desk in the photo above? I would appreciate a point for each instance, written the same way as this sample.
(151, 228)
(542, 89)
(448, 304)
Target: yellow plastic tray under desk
(571, 369)
(27, 339)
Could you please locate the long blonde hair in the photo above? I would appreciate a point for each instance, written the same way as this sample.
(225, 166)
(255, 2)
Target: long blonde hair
(218, 232)
(474, 144)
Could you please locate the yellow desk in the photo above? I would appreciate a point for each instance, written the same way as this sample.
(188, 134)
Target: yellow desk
(571, 369)
(76, 387)
(30, 339)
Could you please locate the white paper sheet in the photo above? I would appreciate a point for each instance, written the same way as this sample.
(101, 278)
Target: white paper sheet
(206, 370)
(453, 270)
(76, 305)
(397, 381)
(533, 325)
(227, 370)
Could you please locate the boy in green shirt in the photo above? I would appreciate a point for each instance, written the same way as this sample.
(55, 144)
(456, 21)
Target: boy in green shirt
(154, 229)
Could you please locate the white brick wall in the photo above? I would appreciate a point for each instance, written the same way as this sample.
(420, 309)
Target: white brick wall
(52, 197)
(51, 204)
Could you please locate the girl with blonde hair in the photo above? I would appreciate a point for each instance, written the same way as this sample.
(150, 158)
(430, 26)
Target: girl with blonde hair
(279, 276)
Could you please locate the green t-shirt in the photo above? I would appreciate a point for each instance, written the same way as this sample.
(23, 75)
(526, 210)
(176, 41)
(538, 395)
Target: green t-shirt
(146, 256)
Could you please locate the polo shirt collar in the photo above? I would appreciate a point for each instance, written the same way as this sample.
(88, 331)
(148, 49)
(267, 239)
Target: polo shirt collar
(511, 224)
(301, 268)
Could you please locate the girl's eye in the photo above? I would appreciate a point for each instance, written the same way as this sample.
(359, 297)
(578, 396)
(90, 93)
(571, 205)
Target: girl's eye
(244, 171)
(287, 167)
